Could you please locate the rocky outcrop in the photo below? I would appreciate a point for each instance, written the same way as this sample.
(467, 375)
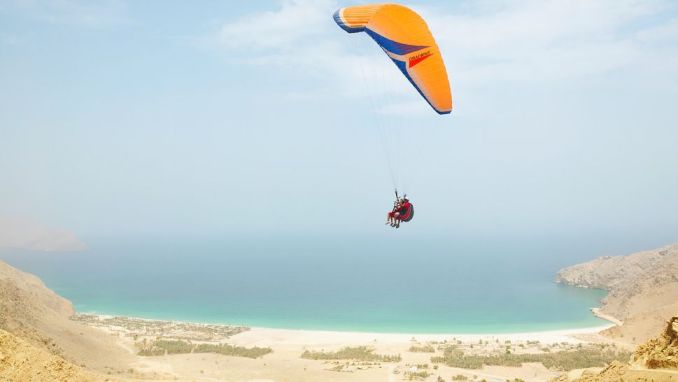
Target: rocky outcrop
(643, 289)
(656, 360)
(661, 352)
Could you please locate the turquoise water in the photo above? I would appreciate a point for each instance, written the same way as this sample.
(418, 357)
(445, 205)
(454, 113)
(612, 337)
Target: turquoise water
(380, 285)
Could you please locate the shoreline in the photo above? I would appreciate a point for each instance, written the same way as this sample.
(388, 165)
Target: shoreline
(597, 312)
(317, 337)
(266, 335)
(168, 348)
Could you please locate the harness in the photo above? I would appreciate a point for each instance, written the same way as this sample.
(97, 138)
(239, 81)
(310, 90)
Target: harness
(408, 214)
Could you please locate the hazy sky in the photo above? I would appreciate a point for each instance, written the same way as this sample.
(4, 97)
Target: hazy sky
(229, 118)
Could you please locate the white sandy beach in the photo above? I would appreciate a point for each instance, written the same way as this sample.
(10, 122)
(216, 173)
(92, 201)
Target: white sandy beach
(263, 336)
(269, 336)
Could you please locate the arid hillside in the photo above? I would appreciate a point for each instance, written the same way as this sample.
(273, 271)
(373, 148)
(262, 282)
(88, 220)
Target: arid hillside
(42, 340)
(33, 312)
(23, 361)
(643, 290)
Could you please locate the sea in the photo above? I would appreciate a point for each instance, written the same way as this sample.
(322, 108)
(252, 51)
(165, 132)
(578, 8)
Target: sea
(364, 284)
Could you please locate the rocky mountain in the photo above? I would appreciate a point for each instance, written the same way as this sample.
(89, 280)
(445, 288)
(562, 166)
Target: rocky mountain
(643, 289)
(661, 352)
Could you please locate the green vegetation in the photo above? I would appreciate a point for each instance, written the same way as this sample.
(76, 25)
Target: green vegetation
(162, 347)
(360, 353)
(174, 347)
(459, 377)
(230, 350)
(561, 360)
(422, 349)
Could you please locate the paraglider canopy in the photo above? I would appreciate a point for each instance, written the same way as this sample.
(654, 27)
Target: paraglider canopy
(406, 39)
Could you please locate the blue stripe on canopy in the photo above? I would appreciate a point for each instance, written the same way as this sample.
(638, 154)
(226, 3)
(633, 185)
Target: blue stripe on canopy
(393, 46)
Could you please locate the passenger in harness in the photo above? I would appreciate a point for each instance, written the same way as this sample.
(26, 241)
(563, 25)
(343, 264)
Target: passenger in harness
(390, 217)
(403, 211)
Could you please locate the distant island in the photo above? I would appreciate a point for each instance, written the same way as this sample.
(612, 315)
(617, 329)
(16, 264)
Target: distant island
(23, 233)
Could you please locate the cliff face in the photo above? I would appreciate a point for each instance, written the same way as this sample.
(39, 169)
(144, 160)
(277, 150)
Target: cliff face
(643, 289)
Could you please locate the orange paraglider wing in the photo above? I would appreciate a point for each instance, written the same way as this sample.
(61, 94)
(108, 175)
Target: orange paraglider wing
(406, 39)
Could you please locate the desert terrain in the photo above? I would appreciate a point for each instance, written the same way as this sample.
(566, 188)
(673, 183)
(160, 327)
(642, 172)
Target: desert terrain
(44, 339)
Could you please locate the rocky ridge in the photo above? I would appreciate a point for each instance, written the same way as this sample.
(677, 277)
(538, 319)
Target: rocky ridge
(643, 289)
